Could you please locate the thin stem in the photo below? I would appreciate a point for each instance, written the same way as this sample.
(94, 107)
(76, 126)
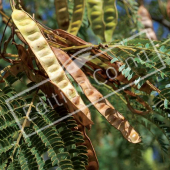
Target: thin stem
(96, 46)
(10, 55)
(5, 18)
(127, 11)
(4, 34)
(24, 123)
(11, 4)
(78, 47)
(3, 14)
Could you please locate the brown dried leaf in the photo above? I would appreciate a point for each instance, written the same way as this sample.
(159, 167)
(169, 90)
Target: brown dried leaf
(24, 56)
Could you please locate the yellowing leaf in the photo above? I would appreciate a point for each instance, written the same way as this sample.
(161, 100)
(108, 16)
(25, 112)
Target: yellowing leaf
(44, 54)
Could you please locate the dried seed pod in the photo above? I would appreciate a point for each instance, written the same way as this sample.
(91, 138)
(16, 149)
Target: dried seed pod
(104, 64)
(104, 58)
(72, 40)
(96, 98)
(33, 36)
(92, 158)
(146, 20)
(168, 8)
(77, 17)
(62, 14)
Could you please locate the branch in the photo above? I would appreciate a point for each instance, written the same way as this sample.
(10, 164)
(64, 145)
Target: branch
(9, 55)
(140, 2)
(5, 18)
(164, 22)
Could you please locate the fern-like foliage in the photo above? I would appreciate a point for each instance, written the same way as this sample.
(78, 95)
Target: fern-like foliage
(44, 143)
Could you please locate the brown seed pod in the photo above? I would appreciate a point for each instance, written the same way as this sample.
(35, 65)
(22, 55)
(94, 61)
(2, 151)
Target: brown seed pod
(45, 56)
(104, 58)
(92, 158)
(146, 20)
(168, 8)
(96, 98)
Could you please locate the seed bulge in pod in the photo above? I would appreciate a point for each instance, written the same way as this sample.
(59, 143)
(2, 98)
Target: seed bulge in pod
(92, 165)
(39, 44)
(34, 36)
(30, 29)
(25, 22)
(47, 61)
(76, 100)
(63, 84)
(71, 92)
(19, 15)
(88, 92)
(134, 137)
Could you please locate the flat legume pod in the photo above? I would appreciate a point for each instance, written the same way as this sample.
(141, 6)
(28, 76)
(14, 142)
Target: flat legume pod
(146, 20)
(168, 8)
(110, 18)
(77, 17)
(96, 98)
(48, 88)
(95, 15)
(72, 40)
(62, 14)
(104, 58)
(39, 46)
(92, 158)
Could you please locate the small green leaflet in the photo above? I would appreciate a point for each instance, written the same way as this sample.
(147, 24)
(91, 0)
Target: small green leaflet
(121, 68)
(137, 81)
(162, 49)
(113, 60)
(167, 86)
(166, 104)
(147, 45)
